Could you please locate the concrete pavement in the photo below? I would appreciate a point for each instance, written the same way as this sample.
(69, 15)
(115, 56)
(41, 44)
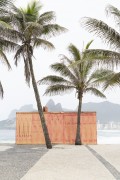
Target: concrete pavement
(70, 162)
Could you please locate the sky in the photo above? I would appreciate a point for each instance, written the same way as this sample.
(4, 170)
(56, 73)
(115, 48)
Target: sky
(68, 14)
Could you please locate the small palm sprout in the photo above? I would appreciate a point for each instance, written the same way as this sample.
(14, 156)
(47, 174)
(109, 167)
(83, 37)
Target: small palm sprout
(73, 76)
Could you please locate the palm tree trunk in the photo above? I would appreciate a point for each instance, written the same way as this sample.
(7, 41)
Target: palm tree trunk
(41, 114)
(78, 137)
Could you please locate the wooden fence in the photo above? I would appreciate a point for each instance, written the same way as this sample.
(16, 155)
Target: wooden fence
(61, 127)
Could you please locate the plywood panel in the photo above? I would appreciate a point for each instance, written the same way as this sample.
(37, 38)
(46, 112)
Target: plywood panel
(23, 128)
(61, 128)
(88, 128)
(37, 132)
(55, 126)
(69, 128)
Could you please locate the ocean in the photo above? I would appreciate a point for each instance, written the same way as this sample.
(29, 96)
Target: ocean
(103, 136)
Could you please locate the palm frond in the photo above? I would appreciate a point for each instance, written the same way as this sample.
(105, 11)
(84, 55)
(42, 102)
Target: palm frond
(7, 45)
(1, 90)
(95, 92)
(107, 34)
(112, 80)
(33, 29)
(99, 76)
(51, 30)
(58, 89)
(74, 52)
(52, 79)
(4, 59)
(46, 18)
(19, 53)
(32, 11)
(63, 70)
(101, 56)
(111, 10)
(88, 45)
(43, 43)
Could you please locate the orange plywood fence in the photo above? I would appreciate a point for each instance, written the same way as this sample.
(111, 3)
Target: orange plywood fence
(88, 128)
(23, 128)
(55, 126)
(70, 124)
(61, 128)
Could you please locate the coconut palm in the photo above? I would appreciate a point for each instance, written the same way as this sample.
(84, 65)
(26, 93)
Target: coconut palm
(30, 29)
(73, 77)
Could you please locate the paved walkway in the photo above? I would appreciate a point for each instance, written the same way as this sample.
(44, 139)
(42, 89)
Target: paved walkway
(16, 160)
(69, 162)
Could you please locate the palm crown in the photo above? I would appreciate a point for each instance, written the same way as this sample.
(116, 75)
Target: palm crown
(28, 28)
(79, 77)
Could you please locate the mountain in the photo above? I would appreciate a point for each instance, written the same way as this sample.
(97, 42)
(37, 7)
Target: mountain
(52, 107)
(10, 122)
(106, 112)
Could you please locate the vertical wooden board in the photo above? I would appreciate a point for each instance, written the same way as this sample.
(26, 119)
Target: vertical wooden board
(88, 128)
(70, 124)
(50, 124)
(37, 131)
(23, 128)
(55, 127)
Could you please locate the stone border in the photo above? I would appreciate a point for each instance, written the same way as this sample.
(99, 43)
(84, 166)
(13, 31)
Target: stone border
(109, 166)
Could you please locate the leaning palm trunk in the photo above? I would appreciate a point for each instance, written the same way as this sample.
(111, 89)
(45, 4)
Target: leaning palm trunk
(78, 137)
(41, 114)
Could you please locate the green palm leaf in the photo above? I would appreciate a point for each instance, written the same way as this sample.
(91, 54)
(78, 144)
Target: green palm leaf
(102, 30)
(43, 43)
(51, 30)
(95, 92)
(46, 17)
(74, 52)
(52, 79)
(58, 89)
(63, 70)
(4, 59)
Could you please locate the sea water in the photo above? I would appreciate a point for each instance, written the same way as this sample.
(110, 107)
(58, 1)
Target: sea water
(103, 136)
(7, 136)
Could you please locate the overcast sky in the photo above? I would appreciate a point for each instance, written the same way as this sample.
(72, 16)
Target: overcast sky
(68, 14)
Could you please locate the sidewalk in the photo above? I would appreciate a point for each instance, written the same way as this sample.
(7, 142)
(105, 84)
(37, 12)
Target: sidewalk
(70, 162)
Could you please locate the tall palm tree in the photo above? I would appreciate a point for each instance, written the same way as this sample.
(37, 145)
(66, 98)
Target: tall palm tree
(79, 77)
(31, 29)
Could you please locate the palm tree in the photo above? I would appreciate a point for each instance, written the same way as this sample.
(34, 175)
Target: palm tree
(79, 77)
(31, 29)
(110, 37)
(4, 44)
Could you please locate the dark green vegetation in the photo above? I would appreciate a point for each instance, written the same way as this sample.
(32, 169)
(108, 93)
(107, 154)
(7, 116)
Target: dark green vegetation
(80, 78)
